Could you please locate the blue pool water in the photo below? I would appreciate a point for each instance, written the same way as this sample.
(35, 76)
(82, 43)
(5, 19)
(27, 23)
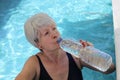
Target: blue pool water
(89, 20)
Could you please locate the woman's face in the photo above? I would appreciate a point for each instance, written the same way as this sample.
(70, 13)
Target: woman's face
(48, 37)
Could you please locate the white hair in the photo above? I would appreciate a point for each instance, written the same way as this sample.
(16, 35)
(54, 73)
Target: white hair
(33, 24)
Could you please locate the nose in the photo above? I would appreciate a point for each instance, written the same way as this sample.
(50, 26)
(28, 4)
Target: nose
(54, 35)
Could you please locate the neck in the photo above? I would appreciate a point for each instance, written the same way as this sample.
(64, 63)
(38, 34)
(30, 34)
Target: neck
(53, 56)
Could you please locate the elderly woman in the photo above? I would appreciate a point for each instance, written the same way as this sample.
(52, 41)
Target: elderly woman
(51, 63)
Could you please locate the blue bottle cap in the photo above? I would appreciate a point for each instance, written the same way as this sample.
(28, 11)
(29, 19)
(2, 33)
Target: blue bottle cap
(59, 40)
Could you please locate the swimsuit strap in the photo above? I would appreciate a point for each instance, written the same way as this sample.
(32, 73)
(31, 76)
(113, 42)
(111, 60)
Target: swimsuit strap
(74, 72)
(43, 73)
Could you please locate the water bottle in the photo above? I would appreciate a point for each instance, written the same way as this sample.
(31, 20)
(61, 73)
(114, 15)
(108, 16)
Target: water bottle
(90, 55)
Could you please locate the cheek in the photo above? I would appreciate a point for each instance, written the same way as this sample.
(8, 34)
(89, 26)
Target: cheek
(45, 43)
(57, 33)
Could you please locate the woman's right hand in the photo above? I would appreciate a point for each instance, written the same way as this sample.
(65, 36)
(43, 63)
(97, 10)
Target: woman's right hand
(85, 43)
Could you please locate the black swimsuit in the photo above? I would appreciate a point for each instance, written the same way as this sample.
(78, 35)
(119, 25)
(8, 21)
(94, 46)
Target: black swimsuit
(74, 72)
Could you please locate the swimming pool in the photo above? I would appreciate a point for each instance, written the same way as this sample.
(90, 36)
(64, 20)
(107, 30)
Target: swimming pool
(82, 19)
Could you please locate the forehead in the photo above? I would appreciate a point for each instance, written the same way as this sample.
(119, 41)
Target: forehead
(45, 28)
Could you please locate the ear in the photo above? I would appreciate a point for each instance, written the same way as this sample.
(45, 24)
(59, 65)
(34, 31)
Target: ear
(39, 45)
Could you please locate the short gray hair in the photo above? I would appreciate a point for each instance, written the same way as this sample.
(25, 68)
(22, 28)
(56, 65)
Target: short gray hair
(33, 24)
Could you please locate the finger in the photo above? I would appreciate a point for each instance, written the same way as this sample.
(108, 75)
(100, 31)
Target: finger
(83, 43)
(89, 44)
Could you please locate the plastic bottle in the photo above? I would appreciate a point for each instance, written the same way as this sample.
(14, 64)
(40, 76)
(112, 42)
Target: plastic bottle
(90, 55)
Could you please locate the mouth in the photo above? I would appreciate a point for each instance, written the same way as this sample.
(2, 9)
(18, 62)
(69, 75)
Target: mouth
(57, 41)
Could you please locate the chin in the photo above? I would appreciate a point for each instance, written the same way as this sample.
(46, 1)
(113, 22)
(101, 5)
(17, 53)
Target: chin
(57, 47)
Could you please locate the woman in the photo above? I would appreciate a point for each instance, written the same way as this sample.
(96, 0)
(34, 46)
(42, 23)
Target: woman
(51, 63)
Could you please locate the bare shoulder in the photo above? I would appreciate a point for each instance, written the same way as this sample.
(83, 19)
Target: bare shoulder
(29, 69)
(78, 61)
(32, 61)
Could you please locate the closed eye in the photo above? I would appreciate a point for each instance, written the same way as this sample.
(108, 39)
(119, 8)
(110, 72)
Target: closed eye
(54, 28)
(46, 33)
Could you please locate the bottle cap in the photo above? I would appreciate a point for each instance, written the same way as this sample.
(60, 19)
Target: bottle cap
(59, 40)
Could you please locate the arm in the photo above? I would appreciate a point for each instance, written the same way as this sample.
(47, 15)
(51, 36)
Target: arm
(110, 70)
(29, 70)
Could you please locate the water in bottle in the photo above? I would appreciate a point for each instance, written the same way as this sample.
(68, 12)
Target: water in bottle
(90, 55)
